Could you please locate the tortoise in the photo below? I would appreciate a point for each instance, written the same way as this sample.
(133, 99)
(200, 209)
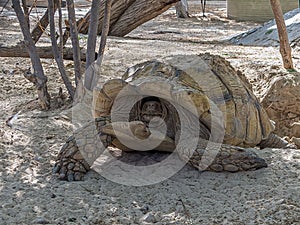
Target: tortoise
(173, 102)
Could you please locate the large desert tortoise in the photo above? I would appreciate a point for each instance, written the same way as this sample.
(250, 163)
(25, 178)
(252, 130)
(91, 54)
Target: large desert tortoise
(183, 98)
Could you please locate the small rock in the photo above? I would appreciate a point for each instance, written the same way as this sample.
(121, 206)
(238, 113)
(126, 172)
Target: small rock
(274, 67)
(72, 219)
(70, 166)
(144, 209)
(41, 220)
(217, 167)
(149, 218)
(230, 168)
(295, 129)
(296, 141)
(38, 158)
(53, 195)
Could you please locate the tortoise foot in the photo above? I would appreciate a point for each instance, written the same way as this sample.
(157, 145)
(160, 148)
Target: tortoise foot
(226, 158)
(237, 159)
(81, 150)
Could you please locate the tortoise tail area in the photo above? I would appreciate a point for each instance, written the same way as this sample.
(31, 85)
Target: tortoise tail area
(274, 141)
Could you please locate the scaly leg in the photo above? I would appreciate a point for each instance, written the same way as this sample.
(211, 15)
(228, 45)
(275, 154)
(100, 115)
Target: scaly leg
(221, 157)
(81, 150)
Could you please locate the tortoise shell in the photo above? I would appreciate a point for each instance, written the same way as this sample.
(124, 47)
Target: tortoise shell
(205, 85)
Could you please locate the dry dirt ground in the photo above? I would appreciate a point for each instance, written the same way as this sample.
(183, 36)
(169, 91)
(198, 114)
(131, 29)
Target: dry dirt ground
(30, 194)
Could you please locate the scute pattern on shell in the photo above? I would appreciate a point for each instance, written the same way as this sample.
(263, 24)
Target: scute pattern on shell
(209, 81)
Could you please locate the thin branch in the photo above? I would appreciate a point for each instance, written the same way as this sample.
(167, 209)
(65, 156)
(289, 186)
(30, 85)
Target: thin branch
(75, 42)
(4, 6)
(60, 28)
(105, 30)
(91, 43)
(42, 24)
(56, 53)
(93, 70)
(26, 14)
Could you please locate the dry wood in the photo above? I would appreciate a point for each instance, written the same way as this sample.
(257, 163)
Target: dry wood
(41, 25)
(128, 15)
(138, 13)
(60, 26)
(92, 72)
(57, 54)
(118, 8)
(40, 80)
(105, 30)
(43, 52)
(92, 37)
(26, 12)
(285, 48)
(75, 42)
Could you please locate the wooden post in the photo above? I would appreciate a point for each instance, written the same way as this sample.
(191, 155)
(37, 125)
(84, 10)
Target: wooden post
(285, 48)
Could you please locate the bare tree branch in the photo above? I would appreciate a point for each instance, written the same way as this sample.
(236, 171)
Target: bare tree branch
(60, 27)
(40, 79)
(40, 27)
(56, 53)
(105, 30)
(75, 42)
(93, 29)
(26, 13)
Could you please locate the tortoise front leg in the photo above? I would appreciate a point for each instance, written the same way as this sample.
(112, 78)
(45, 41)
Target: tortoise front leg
(81, 150)
(221, 157)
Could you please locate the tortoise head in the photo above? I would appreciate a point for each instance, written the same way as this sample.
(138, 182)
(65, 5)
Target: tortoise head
(158, 114)
(151, 109)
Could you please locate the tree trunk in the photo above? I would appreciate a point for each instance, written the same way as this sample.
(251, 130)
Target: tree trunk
(182, 9)
(128, 15)
(39, 78)
(285, 48)
(43, 52)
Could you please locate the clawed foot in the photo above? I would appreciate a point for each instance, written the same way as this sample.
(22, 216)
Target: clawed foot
(238, 159)
(70, 165)
(228, 158)
(81, 150)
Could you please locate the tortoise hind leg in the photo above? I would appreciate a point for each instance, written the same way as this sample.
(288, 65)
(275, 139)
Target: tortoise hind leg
(221, 157)
(274, 141)
(81, 150)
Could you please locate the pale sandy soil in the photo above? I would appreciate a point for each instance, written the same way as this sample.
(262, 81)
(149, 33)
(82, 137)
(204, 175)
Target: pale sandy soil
(30, 194)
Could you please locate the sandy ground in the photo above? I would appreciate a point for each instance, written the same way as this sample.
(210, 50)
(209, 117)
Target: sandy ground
(30, 194)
